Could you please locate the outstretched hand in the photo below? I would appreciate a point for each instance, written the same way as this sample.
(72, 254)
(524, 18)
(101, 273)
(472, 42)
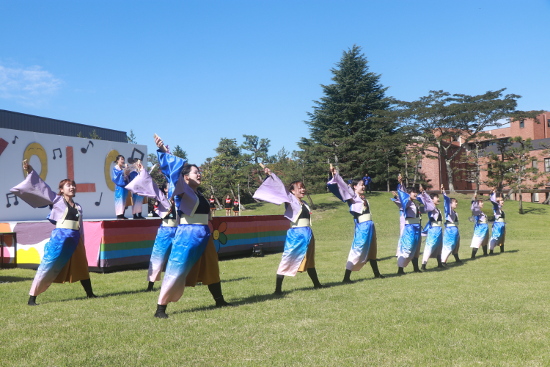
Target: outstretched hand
(160, 143)
(333, 170)
(26, 166)
(267, 171)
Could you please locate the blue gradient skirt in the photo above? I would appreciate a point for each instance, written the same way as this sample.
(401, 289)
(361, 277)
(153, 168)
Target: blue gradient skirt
(362, 239)
(161, 252)
(297, 241)
(57, 253)
(121, 194)
(188, 246)
(481, 235)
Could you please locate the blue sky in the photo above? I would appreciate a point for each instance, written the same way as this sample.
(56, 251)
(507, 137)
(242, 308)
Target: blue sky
(197, 71)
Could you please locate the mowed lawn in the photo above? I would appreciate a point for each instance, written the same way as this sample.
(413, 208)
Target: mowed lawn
(493, 311)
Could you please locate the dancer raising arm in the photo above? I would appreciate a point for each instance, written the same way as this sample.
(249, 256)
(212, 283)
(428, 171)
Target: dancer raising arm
(64, 255)
(498, 234)
(451, 238)
(434, 237)
(193, 253)
(364, 243)
(481, 228)
(299, 248)
(409, 242)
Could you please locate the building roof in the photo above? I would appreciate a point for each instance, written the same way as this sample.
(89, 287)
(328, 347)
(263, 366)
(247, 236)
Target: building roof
(45, 125)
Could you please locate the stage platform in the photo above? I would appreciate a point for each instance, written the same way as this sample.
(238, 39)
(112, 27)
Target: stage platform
(113, 245)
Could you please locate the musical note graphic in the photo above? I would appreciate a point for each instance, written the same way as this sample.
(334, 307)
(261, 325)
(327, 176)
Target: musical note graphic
(84, 150)
(14, 139)
(60, 154)
(11, 195)
(132, 159)
(97, 203)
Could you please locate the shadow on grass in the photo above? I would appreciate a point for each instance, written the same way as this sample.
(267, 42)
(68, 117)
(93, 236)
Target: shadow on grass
(538, 211)
(326, 206)
(10, 279)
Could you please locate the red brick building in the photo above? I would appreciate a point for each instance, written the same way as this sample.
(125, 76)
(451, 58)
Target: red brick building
(537, 129)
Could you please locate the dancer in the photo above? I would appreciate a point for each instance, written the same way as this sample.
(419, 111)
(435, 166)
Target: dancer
(409, 243)
(236, 207)
(299, 248)
(64, 255)
(212, 202)
(119, 176)
(434, 237)
(227, 206)
(143, 184)
(364, 243)
(451, 238)
(498, 234)
(481, 228)
(193, 256)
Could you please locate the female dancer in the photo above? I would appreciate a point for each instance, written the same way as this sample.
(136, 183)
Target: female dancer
(120, 177)
(64, 255)
(498, 234)
(193, 253)
(299, 249)
(481, 228)
(212, 202)
(409, 243)
(236, 207)
(434, 238)
(451, 238)
(227, 206)
(364, 243)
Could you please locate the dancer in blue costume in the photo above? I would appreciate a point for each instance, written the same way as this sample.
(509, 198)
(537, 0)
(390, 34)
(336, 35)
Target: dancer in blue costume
(434, 237)
(481, 228)
(192, 234)
(299, 249)
(498, 234)
(364, 245)
(409, 243)
(451, 238)
(119, 175)
(64, 255)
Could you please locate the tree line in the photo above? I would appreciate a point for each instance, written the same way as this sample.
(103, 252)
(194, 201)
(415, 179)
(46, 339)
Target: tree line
(360, 129)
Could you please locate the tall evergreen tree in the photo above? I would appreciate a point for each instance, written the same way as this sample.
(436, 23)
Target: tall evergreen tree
(346, 119)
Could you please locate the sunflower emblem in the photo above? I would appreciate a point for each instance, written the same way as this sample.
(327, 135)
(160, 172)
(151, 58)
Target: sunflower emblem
(219, 234)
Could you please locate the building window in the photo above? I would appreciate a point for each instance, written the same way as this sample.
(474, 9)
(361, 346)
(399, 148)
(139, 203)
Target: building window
(521, 124)
(535, 197)
(546, 164)
(534, 163)
(548, 121)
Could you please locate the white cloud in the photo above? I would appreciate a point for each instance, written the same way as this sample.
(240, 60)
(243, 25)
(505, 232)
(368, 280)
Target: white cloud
(29, 86)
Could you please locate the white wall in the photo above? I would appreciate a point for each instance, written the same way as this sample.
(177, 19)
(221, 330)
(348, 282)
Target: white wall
(91, 166)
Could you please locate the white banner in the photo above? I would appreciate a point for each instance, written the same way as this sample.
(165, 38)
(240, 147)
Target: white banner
(55, 157)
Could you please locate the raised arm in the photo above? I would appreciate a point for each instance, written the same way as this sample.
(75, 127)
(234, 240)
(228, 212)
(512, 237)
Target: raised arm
(144, 185)
(341, 190)
(170, 165)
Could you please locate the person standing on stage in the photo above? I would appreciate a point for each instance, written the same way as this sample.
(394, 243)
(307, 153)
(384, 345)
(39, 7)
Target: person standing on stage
(120, 177)
(364, 245)
(498, 234)
(481, 228)
(64, 254)
(451, 237)
(227, 206)
(409, 242)
(434, 228)
(299, 248)
(193, 257)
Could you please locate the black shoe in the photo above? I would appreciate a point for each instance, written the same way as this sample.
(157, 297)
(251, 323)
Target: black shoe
(121, 216)
(379, 276)
(32, 301)
(400, 271)
(161, 312)
(222, 303)
(150, 286)
(423, 267)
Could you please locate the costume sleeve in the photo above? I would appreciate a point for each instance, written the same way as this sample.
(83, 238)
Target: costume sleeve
(171, 166)
(476, 210)
(34, 191)
(447, 206)
(117, 175)
(341, 190)
(144, 185)
(273, 191)
(405, 199)
(425, 199)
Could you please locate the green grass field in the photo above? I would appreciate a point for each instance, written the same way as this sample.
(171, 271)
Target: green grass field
(493, 311)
